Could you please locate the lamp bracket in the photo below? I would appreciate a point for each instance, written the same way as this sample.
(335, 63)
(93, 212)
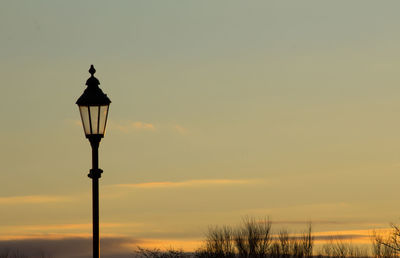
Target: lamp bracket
(95, 173)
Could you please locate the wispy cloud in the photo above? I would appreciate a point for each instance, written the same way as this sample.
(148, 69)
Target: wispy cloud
(302, 208)
(43, 236)
(130, 126)
(327, 222)
(55, 227)
(188, 183)
(355, 236)
(180, 129)
(34, 199)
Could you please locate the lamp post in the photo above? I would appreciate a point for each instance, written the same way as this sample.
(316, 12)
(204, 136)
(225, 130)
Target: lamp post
(93, 106)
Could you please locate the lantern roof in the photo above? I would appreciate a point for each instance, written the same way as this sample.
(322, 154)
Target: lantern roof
(93, 95)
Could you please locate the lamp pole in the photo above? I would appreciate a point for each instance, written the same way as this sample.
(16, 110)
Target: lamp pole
(94, 106)
(95, 174)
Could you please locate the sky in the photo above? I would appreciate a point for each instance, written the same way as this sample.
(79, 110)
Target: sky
(286, 110)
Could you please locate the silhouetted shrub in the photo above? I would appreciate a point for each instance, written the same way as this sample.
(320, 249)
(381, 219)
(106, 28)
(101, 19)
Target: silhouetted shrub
(219, 243)
(253, 239)
(381, 250)
(286, 245)
(157, 253)
(336, 247)
(389, 246)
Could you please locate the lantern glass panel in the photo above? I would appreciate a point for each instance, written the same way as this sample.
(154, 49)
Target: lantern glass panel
(94, 119)
(103, 119)
(84, 110)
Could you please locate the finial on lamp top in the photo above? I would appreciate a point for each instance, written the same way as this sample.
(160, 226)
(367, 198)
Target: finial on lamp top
(93, 95)
(92, 81)
(92, 70)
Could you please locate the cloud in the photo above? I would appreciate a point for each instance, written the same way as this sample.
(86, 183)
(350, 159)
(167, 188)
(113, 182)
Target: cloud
(188, 183)
(325, 222)
(346, 236)
(117, 246)
(34, 199)
(127, 126)
(142, 125)
(81, 246)
(354, 236)
(180, 129)
(304, 222)
(302, 208)
(324, 237)
(59, 231)
(130, 126)
(42, 236)
(70, 247)
(55, 227)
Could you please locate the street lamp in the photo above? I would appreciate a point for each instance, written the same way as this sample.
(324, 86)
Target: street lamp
(93, 106)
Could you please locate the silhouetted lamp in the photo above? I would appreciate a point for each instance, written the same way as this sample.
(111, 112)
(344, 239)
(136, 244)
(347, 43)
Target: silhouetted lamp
(93, 106)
